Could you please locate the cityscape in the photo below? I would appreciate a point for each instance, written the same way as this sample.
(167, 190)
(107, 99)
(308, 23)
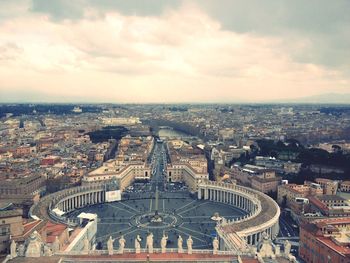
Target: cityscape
(174, 131)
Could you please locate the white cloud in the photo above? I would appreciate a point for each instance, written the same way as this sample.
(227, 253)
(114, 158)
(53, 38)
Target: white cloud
(182, 55)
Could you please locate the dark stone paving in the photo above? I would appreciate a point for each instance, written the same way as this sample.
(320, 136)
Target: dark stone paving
(182, 215)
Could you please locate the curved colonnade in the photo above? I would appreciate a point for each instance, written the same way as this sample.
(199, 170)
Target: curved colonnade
(234, 235)
(54, 205)
(262, 218)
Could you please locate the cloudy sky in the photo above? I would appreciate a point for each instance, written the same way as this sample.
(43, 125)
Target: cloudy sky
(173, 51)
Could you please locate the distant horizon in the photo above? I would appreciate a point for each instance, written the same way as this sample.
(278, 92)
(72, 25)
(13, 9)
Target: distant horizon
(292, 101)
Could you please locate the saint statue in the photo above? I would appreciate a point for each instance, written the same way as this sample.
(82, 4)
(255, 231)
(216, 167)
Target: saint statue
(189, 245)
(163, 243)
(13, 248)
(86, 245)
(149, 243)
(137, 244)
(56, 245)
(287, 247)
(179, 244)
(121, 244)
(110, 246)
(215, 245)
(47, 251)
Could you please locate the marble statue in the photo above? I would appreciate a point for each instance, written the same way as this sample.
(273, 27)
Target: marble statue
(215, 245)
(122, 242)
(21, 250)
(287, 247)
(13, 248)
(179, 244)
(163, 243)
(86, 247)
(56, 245)
(277, 250)
(34, 247)
(110, 246)
(149, 243)
(253, 250)
(266, 249)
(47, 251)
(189, 245)
(137, 244)
(260, 259)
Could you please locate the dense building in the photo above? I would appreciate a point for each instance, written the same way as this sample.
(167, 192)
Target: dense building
(345, 186)
(289, 193)
(130, 163)
(329, 187)
(266, 181)
(10, 225)
(27, 185)
(324, 241)
(329, 206)
(187, 164)
(257, 177)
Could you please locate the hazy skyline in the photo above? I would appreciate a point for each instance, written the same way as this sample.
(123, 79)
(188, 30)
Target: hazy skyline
(172, 51)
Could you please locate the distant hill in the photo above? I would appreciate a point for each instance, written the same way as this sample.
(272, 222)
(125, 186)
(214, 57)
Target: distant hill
(327, 98)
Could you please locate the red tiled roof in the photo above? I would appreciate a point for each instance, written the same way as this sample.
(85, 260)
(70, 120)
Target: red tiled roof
(53, 230)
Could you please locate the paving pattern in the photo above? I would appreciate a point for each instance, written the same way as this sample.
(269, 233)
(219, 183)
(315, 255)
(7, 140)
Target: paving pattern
(181, 215)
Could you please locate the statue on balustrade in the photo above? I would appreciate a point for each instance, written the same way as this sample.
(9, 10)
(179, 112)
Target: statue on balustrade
(287, 247)
(13, 249)
(137, 244)
(163, 243)
(56, 245)
(179, 244)
(189, 245)
(149, 243)
(86, 247)
(122, 242)
(215, 245)
(110, 246)
(35, 245)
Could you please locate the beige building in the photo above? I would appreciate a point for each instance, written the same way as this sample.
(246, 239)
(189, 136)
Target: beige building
(257, 177)
(187, 164)
(329, 187)
(10, 225)
(266, 182)
(345, 186)
(24, 184)
(130, 163)
(290, 192)
(124, 175)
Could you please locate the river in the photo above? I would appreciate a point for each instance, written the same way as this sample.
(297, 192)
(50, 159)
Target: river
(171, 134)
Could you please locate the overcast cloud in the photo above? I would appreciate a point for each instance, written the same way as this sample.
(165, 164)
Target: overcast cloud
(172, 51)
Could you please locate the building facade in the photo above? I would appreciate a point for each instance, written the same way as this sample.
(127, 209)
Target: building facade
(325, 241)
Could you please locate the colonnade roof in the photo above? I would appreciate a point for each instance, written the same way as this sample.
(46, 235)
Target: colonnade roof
(269, 209)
